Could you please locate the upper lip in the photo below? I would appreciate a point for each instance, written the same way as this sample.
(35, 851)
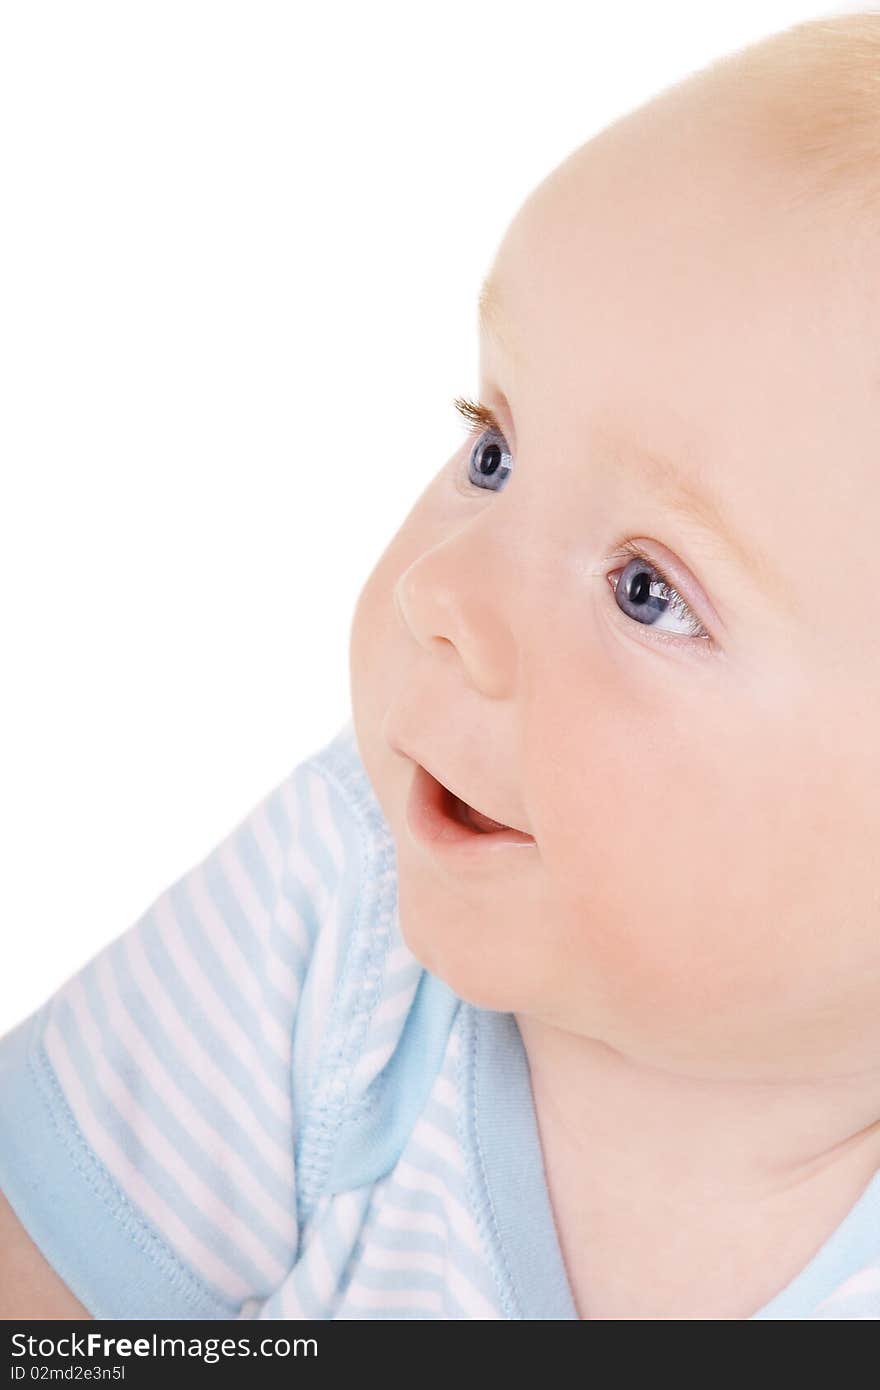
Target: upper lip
(460, 794)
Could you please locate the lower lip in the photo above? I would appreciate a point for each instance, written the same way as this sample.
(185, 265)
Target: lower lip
(431, 822)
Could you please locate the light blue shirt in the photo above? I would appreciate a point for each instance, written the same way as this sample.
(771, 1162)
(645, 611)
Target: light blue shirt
(256, 1103)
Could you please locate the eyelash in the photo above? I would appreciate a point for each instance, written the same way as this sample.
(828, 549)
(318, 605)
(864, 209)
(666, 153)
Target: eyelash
(480, 417)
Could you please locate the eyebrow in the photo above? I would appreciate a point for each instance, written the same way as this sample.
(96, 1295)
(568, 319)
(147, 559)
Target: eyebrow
(700, 509)
(491, 317)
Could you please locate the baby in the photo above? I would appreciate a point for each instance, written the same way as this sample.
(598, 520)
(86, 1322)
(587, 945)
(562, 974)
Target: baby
(550, 986)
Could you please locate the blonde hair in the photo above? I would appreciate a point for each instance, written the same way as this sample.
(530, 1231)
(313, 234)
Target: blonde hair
(811, 95)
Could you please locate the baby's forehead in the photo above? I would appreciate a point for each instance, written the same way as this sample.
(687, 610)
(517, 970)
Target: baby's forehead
(681, 233)
(686, 309)
(606, 276)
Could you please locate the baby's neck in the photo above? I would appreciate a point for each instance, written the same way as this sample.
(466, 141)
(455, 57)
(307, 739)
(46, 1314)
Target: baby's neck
(677, 1197)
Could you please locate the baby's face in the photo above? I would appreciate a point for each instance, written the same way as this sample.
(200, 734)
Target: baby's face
(700, 770)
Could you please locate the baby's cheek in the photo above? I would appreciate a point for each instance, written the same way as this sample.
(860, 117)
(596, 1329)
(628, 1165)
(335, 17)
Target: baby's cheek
(694, 893)
(663, 882)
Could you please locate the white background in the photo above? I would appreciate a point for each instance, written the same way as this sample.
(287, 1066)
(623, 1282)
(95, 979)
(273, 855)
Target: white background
(240, 248)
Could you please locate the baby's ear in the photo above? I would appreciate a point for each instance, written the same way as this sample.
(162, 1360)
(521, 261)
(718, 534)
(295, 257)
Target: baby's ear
(29, 1286)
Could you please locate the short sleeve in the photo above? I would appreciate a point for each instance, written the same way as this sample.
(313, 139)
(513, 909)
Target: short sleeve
(150, 1108)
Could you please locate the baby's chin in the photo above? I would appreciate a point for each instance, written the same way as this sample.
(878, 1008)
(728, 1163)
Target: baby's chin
(481, 955)
(495, 960)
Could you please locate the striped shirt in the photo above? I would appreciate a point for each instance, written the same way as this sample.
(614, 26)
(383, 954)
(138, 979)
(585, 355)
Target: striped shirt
(256, 1103)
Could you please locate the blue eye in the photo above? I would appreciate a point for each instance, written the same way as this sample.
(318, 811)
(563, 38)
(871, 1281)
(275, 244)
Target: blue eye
(490, 459)
(645, 595)
(642, 592)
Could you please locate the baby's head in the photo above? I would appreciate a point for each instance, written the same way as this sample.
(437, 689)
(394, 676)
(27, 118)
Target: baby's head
(636, 620)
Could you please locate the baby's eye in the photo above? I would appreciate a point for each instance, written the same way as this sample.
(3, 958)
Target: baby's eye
(490, 459)
(644, 594)
(642, 591)
(489, 462)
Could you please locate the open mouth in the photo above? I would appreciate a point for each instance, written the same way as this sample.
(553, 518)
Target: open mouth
(469, 815)
(442, 820)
